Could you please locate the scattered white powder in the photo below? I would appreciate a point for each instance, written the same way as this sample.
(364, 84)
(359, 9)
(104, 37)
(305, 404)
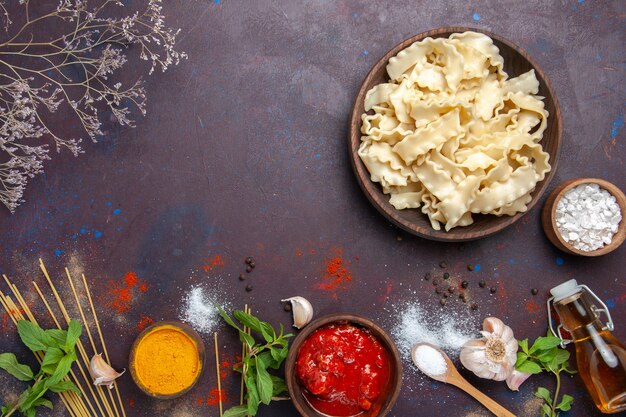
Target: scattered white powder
(199, 310)
(429, 360)
(449, 330)
(587, 217)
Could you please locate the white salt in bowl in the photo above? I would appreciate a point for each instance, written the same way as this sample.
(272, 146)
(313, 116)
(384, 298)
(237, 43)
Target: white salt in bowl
(548, 217)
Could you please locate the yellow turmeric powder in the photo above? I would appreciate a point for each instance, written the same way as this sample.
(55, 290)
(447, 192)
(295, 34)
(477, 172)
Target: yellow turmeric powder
(167, 360)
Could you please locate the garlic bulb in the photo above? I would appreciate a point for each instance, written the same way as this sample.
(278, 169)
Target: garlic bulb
(494, 355)
(302, 311)
(101, 372)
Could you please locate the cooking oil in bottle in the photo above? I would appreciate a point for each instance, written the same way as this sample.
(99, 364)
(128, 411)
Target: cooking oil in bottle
(600, 357)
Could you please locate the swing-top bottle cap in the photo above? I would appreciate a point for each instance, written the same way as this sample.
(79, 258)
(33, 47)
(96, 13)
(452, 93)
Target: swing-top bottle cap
(565, 290)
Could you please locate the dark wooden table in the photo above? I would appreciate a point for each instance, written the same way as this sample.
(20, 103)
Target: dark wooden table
(244, 153)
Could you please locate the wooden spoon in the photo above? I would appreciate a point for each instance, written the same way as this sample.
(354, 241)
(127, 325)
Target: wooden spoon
(452, 376)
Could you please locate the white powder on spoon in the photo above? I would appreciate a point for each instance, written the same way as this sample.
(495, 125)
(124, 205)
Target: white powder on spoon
(429, 360)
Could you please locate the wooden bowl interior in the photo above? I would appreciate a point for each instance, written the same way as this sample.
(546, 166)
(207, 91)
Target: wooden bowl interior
(548, 217)
(295, 391)
(189, 331)
(516, 62)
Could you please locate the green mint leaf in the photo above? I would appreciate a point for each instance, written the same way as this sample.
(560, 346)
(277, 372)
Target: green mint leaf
(279, 385)
(63, 386)
(74, 331)
(546, 411)
(9, 363)
(252, 394)
(544, 343)
(268, 332)
(33, 336)
(236, 411)
(246, 338)
(546, 356)
(524, 345)
(31, 412)
(566, 403)
(59, 336)
(521, 358)
(43, 402)
(248, 320)
(264, 383)
(529, 367)
(560, 357)
(31, 395)
(544, 394)
(62, 369)
(5, 409)
(227, 318)
(51, 360)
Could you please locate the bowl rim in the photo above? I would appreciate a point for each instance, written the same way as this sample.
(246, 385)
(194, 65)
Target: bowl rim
(549, 216)
(361, 172)
(189, 332)
(360, 321)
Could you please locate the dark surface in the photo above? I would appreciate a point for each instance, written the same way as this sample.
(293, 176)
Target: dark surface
(243, 153)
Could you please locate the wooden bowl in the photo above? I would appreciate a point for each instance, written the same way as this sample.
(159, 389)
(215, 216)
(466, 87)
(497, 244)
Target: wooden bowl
(294, 388)
(548, 217)
(189, 332)
(516, 62)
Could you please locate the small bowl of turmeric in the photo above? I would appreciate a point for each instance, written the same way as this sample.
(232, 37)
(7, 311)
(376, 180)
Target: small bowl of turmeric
(167, 359)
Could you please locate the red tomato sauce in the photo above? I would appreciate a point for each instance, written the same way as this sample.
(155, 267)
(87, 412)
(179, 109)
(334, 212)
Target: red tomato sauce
(344, 369)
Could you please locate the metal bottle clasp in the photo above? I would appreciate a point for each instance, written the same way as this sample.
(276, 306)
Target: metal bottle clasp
(608, 326)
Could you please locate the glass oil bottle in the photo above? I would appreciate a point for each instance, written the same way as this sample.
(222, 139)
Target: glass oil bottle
(600, 357)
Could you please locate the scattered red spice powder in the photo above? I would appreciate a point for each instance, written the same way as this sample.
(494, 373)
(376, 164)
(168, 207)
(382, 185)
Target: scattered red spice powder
(144, 322)
(121, 293)
(215, 395)
(213, 262)
(336, 274)
(131, 403)
(532, 306)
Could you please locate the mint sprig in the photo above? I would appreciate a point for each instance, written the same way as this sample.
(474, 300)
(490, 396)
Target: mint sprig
(546, 355)
(59, 355)
(261, 386)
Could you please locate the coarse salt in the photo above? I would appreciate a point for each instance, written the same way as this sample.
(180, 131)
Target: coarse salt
(199, 310)
(449, 331)
(429, 360)
(587, 217)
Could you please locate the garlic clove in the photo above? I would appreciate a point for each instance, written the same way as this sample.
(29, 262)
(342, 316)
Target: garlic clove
(516, 379)
(302, 311)
(101, 372)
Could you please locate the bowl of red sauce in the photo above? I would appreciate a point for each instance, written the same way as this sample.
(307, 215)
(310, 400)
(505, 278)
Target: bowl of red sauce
(341, 366)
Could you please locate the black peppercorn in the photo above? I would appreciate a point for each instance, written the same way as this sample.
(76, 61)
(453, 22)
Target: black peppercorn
(437, 290)
(242, 277)
(443, 301)
(248, 259)
(470, 267)
(445, 295)
(252, 264)
(492, 290)
(249, 287)
(534, 291)
(474, 306)
(464, 284)
(443, 264)
(435, 281)
(446, 275)
(482, 283)
(427, 276)
(287, 307)
(451, 289)
(248, 268)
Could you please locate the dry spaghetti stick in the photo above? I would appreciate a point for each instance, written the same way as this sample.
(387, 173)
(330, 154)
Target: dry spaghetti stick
(217, 367)
(243, 352)
(79, 344)
(93, 345)
(104, 346)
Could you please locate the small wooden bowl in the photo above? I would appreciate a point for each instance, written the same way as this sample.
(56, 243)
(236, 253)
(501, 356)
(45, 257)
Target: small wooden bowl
(516, 62)
(548, 217)
(182, 327)
(295, 391)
